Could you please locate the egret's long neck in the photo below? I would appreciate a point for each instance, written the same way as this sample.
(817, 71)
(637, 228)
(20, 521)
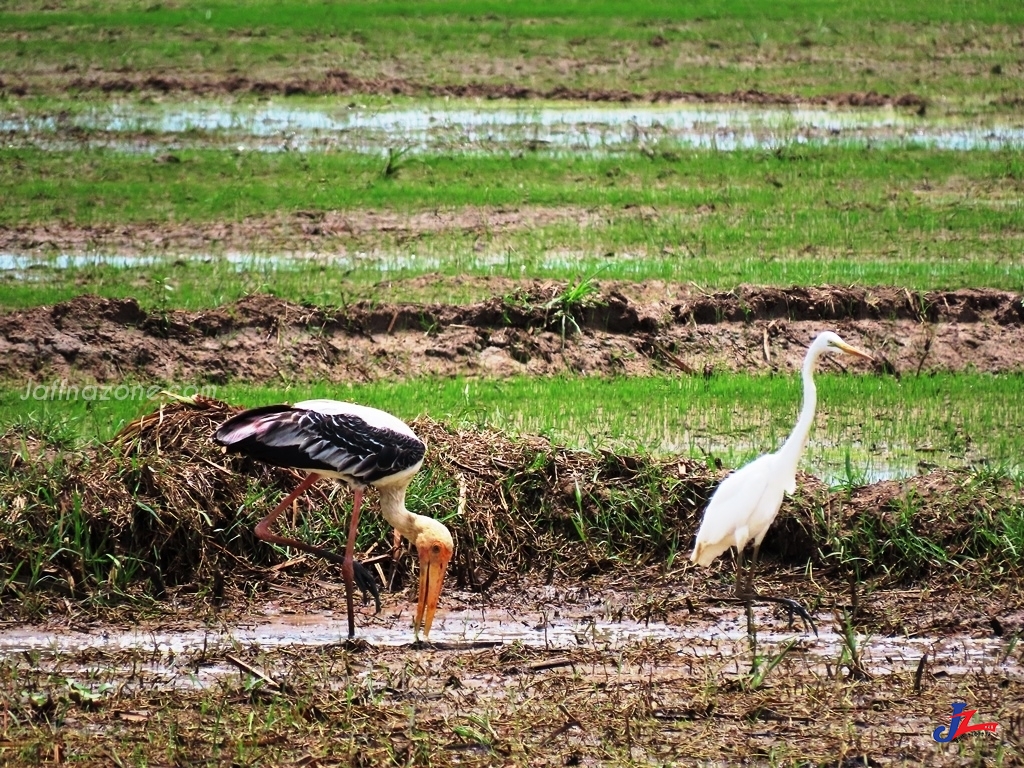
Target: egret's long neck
(392, 506)
(797, 439)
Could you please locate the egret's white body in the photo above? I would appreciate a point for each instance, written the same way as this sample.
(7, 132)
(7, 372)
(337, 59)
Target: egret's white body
(744, 505)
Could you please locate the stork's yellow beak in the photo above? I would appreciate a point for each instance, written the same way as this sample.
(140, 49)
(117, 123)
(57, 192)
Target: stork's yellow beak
(434, 559)
(853, 350)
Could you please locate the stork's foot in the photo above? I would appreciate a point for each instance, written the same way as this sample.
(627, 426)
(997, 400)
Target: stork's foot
(368, 583)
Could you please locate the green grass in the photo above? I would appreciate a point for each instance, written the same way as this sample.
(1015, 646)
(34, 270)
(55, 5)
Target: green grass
(383, 14)
(789, 197)
(867, 427)
(949, 51)
(912, 217)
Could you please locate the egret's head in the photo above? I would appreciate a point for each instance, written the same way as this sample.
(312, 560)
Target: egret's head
(830, 342)
(435, 545)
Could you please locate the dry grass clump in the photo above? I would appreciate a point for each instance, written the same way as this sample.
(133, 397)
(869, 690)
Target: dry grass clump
(160, 500)
(167, 493)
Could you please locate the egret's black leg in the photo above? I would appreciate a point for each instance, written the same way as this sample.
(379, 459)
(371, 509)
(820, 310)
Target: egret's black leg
(792, 606)
(744, 593)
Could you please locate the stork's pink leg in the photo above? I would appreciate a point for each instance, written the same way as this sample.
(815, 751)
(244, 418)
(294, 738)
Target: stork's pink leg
(348, 567)
(396, 545)
(347, 562)
(263, 526)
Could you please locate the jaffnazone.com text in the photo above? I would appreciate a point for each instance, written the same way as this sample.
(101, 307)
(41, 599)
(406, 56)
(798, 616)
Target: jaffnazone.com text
(62, 390)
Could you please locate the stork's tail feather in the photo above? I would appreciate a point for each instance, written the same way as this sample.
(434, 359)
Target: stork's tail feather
(246, 424)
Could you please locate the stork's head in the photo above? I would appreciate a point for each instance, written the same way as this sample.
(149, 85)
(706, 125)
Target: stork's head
(434, 543)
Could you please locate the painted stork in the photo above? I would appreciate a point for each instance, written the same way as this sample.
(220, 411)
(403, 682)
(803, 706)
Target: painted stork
(745, 504)
(362, 446)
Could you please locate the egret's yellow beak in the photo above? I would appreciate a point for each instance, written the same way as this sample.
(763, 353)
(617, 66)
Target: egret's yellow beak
(853, 350)
(434, 559)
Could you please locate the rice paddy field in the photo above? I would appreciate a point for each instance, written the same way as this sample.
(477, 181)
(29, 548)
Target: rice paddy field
(582, 250)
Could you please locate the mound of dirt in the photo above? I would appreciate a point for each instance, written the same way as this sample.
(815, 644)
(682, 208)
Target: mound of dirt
(162, 500)
(620, 330)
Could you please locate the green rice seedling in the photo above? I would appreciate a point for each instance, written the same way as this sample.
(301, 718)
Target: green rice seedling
(723, 199)
(563, 308)
(393, 162)
(852, 650)
(762, 667)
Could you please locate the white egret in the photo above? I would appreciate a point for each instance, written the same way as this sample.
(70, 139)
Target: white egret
(747, 501)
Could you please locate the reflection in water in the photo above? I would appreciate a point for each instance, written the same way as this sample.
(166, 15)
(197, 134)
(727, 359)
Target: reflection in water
(451, 128)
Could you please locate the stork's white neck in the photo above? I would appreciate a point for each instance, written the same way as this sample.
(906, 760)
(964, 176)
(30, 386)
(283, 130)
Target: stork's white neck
(392, 507)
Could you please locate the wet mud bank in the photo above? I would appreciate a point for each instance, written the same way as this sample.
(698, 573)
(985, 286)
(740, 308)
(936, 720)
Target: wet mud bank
(343, 83)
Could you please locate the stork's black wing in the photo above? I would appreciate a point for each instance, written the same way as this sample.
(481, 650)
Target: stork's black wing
(306, 439)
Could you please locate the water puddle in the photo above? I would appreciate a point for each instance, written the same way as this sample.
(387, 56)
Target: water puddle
(196, 656)
(23, 264)
(467, 127)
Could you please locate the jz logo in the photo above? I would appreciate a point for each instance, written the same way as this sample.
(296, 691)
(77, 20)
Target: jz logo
(960, 724)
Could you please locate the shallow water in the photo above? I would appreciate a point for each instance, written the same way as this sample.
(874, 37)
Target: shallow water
(24, 264)
(173, 651)
(468, 127)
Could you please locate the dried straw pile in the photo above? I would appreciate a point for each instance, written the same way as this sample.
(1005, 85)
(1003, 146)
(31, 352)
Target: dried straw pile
(526, 505)
(166, 493)
(162, 494)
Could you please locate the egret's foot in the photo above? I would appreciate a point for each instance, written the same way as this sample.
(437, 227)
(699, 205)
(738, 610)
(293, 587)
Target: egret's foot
(367, 582)
(793, 608)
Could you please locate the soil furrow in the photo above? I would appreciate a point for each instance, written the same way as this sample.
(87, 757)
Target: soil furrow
(622, 329)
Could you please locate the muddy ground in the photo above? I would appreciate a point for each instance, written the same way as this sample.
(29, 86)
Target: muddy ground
(341, 83)
(344, 83)
(574, 675)
(633, 329)
(549, 648)
(312, 231)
